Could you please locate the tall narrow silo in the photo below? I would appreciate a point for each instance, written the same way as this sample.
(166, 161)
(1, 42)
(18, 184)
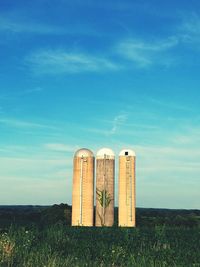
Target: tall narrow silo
(83, 188)
(126, 183)
(105, 171)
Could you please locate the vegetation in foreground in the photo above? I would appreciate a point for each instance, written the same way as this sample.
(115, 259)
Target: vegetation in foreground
(56, 244)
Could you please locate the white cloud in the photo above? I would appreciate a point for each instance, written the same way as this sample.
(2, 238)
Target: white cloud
(36, 179)
(31, 165)
(60, 147)
(117, 122)
(168, 162)
(169, 104)
(189, 31)
(30, 91)
(23, 124)
(25, 190)
(144, 53)
(114, 125)
(47, 178)
(172, 151)
(17, 26)
(57, 61)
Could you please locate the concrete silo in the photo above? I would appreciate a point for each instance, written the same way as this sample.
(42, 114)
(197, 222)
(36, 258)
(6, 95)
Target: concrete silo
(105, 172)
(126, 183)
(83, 188)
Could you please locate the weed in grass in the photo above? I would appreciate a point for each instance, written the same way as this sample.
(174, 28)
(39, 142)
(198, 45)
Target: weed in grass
(60, 246)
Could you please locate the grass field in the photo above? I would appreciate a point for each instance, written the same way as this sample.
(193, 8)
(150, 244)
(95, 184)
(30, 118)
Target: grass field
(57, 244)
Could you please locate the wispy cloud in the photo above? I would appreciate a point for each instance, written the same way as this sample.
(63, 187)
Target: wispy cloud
(17, 26)
(117, 122)
(170, 151)
(168, 104)
(145, 53)
(30, 91)
(29, 163)
(189, 30)
(36, 191)
(112, 126)
(38, 175)
(61, 147)
(22, 124)
(189, 137)
(18, 94)
(57, 61)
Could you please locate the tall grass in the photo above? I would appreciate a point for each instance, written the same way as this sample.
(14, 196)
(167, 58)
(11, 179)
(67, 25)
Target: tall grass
(60, 246)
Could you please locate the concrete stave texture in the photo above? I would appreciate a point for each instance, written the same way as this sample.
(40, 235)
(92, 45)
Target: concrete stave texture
(83, 188)
(126, 185)
(105, 172)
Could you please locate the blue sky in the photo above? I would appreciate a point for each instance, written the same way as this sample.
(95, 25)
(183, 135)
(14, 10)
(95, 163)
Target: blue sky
(121, 74)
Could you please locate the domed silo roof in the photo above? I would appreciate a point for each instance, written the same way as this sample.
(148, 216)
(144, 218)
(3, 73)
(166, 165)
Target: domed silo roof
(105, 152)
(127, 152)
(83, 152)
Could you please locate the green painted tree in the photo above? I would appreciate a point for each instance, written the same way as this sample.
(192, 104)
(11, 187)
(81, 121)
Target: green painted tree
(104, 198)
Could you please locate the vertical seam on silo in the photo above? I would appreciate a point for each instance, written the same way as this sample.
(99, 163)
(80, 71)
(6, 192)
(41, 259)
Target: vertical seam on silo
(104, 181)
(81, 185)
(131, 198)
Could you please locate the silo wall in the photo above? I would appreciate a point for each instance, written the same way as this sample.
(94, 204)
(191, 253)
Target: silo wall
(127, 192)
(105, 171)
(83, 191)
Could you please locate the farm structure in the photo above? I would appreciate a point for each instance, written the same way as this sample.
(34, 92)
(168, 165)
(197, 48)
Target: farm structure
(105, 173)
(83, 188)
(126, 185)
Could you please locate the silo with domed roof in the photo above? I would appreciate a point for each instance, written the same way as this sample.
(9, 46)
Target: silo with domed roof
(105, 171)
(83, 188)
(126, 184)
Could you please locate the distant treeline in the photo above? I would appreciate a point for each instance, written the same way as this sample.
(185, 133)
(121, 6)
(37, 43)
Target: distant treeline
(48, 215)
